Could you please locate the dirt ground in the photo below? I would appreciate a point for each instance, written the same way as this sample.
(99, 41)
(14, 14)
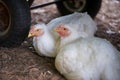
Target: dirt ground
(22, 63)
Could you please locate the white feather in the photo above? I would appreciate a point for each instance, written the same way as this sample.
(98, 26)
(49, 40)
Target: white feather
(88, 59)
(44, 45)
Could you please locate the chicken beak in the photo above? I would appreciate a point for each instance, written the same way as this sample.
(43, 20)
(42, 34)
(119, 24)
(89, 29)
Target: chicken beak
(30, 35)
(56, 30)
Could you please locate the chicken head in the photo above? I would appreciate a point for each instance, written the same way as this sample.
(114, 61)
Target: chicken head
(62, 30)
(35, 32)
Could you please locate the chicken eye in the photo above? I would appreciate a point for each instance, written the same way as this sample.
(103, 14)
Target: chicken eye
(37, 30)
(65, 29)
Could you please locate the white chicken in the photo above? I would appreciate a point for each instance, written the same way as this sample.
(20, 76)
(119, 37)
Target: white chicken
(43, 41)
(88, 58)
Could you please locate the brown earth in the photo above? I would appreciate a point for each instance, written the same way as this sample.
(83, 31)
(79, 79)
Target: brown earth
(22, 63)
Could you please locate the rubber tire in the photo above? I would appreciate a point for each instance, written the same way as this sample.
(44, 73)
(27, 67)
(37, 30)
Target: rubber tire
(92, 7)
(20, 23)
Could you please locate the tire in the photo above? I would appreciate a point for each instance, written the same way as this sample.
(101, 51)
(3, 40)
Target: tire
(15, 22)
(90, 6)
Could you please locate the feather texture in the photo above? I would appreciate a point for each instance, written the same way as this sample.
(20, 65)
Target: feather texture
(89, 59)
(44, 45)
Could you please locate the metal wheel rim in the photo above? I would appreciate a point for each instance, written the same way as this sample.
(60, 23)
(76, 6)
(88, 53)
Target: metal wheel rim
(74, 5)
(5, 19)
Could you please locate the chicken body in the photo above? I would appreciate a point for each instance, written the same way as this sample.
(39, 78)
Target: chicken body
(88, 59)
(44, 44)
